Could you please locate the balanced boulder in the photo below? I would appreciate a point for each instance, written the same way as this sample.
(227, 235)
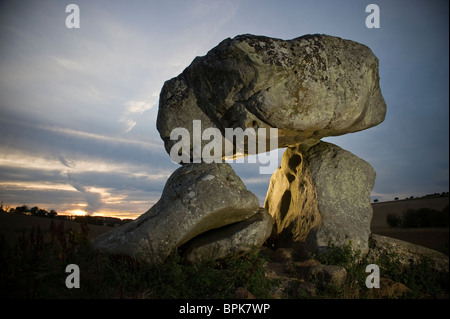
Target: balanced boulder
(309, 87)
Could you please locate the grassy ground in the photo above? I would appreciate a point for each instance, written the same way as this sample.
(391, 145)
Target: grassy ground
(34, 266)
(34, 253)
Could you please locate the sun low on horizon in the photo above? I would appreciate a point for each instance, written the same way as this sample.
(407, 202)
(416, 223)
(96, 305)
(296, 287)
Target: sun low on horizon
(77, 212)
(111, 214)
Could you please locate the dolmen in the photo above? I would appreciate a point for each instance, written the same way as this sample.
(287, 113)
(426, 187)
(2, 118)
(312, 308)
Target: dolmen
(247, 96)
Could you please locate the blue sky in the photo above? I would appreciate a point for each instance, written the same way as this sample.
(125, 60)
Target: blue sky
(78, 106)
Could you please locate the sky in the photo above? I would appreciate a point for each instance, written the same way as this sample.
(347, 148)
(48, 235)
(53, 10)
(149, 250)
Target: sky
(78, 106)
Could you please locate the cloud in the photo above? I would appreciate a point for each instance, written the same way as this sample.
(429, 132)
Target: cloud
(138, 107)
(134, 110)
(65, 167)
(93, 199)
(65, 161)
(70, 65)
(129, 125)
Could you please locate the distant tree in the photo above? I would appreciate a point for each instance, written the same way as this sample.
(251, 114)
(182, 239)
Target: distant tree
(52, 213)
(396, 198)
(34, 210)
(41, 213)
(393, 220)
(375, 200)
(4, 208)
(425, 217)
(21, 209)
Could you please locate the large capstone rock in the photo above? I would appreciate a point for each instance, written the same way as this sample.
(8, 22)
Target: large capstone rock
(309, 87)
(196, 198)
(320, 195)
(231, 240)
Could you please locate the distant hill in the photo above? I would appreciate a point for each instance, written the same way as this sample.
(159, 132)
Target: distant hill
(434, 238)
(12, 225)
(382, 209)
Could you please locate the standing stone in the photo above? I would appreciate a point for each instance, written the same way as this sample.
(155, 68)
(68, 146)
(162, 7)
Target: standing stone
(292, 198)
(308, 87)
(195, 199)
(336, 187)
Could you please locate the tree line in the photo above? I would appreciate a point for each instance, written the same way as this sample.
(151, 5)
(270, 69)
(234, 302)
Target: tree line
(422, 217)
(40, 212)
(435, 195)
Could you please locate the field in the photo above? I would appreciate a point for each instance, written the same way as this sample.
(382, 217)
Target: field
(36, 251)
(11, 225)
(434, 238)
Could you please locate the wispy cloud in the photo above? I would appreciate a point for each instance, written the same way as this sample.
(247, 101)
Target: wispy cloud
(138, 107)
(135, 108)
(70, 65)
(58, 165)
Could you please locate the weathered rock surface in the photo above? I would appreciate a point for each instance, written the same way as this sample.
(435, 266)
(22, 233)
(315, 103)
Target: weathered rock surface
(231, 240)
(309, 87)
(195, 199)
(320, 195)
(292, 198)
(407, 254)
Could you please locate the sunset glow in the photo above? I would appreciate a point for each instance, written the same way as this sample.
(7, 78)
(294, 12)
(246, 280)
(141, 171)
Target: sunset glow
(77, 212)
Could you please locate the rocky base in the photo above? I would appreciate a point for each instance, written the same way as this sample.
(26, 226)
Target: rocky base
(298, 276)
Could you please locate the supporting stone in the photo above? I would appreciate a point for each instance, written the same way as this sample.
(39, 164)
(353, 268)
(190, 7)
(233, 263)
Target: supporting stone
(325, 199)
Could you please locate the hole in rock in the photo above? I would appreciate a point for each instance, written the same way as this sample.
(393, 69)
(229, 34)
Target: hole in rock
(294, 161)
(290, 177)
(285, 203)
